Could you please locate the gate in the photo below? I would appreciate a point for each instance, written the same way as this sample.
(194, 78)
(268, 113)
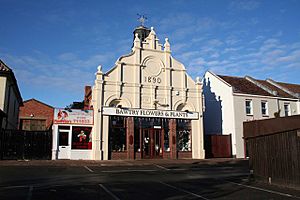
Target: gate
(218, 146)
(16, 144)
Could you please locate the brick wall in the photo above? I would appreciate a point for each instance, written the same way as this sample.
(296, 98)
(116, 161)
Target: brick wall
(130, 137)
(34, 109)
(172, 138)
(184, 154)
(119, 155)
(87, 98)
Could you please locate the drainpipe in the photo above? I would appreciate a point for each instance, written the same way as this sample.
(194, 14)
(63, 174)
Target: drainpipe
(278, 107)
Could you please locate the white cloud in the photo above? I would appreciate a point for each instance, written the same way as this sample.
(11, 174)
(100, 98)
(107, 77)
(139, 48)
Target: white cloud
(66, 72)
(244, 5)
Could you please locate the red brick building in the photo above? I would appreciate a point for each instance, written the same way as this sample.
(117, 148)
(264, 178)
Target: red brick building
(87, 103)
(35, 116)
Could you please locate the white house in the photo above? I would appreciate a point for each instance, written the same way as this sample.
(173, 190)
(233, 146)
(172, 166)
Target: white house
(10, 98)
(229, 101)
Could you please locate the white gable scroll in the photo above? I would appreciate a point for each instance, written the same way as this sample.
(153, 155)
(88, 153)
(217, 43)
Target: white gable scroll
(149, 113)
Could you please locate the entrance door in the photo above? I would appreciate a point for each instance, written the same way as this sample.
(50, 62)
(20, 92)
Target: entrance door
(64, 147)
(151, 143)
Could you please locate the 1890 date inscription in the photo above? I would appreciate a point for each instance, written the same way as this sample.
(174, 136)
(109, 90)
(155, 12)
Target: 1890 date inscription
(150, 79)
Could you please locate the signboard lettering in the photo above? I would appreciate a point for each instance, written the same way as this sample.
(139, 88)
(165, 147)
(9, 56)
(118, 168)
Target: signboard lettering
(73, 116)
(149, 113)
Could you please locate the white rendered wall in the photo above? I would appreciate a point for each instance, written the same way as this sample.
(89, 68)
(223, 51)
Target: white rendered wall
(2, 91)
(216, 91)
(81, 154)
(75, 154)
(241, 116)
(9, 103)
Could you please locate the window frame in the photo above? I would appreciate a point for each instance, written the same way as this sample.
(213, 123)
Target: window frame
(251, 107)
(286, 114)
(266, 108)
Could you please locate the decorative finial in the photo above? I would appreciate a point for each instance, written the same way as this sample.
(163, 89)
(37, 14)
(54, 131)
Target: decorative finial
(198, 80)
(167, 45)
(99, 68)
(142, 19)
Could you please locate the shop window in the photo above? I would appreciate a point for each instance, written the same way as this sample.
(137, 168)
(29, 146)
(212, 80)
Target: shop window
(184, 140)
(137, 133)
(166, 141)
(117, 134)
(81, 137)
(184, 135)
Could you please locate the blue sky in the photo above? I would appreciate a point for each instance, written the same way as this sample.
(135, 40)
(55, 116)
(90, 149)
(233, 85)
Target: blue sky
(54, 47)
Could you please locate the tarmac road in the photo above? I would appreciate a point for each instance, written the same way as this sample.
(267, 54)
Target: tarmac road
(147, 179)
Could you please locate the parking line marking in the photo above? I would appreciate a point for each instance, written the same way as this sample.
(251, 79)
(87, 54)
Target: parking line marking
(29, 195)
(264, 190)
(130, 170)
(183, 190)
(161, 167)
(109, 192)
(13, 187)
(90, 170)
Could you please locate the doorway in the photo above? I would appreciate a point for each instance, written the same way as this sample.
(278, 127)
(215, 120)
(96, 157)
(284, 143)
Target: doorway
(64, 146)
(151, 143)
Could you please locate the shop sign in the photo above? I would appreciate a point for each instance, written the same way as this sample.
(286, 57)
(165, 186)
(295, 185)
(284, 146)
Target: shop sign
(73, 116)
(149, 113)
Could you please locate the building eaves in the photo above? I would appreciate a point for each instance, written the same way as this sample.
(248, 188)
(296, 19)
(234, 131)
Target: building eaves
(33, 99)
(244, 86)
(291, 89)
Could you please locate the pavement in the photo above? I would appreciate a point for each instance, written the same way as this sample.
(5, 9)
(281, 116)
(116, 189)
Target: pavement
(140, 179)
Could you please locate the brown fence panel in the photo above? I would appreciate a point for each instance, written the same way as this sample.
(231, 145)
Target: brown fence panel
(274, 151)
(218, 146)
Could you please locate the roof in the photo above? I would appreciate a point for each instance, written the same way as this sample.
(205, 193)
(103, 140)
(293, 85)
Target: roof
(241, 85)
(263, 88)
(5, 70)
(280, 92)
(292, 87)
(4, 67)
(33, 99)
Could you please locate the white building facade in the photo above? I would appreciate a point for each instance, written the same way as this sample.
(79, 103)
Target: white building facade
(72, 134)
(147, 106)
(10, 98)
(229, 101)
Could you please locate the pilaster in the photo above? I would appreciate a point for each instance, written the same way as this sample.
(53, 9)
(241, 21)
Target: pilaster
(97, 105)
(197, 126)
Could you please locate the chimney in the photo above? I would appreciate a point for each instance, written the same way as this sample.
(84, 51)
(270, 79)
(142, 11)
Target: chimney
(87, 97)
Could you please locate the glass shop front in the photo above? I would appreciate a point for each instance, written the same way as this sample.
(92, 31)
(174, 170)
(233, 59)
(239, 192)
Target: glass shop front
(149, 138)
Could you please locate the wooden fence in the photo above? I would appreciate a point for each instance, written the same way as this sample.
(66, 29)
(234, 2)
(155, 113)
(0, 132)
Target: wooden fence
(274, 150)
(218, 146)
(16, 144)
